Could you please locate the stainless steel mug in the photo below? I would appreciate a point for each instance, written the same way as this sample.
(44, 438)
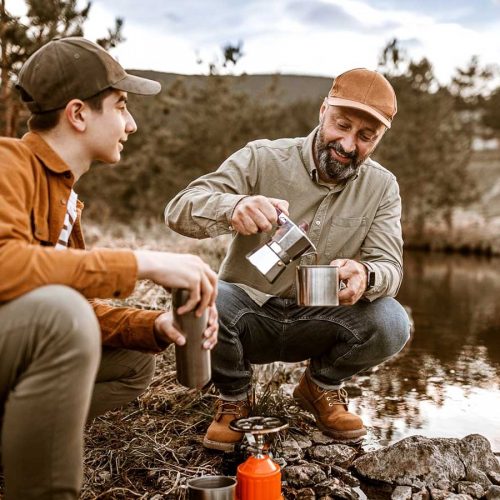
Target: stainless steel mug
(212, 488)
(192, 361)
(317, 285)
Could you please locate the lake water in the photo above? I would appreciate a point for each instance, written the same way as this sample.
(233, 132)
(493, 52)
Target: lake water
(446, 381)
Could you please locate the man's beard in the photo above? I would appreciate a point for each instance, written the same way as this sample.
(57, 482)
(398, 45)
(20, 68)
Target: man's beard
(331, 170)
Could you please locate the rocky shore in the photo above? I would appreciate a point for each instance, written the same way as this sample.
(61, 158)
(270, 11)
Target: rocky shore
(415, 468)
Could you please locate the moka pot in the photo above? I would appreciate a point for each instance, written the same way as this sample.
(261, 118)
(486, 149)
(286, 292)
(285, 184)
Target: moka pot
(288, 243)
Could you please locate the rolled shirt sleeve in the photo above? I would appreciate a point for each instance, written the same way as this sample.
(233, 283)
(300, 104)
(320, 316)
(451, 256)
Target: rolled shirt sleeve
(204, 209)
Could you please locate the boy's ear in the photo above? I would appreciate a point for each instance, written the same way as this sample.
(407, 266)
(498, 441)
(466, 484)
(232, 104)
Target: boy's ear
(76, 113)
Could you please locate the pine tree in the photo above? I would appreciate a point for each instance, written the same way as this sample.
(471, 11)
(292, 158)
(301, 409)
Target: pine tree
(20, 36)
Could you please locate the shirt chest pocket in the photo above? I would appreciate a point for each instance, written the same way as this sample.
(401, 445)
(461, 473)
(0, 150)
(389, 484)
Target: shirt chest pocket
(345, 237)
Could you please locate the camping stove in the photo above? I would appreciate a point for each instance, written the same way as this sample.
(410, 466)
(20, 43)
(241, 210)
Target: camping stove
(259, 478)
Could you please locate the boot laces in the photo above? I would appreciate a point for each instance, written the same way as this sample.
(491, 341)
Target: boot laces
(231, 407)
(336, 397)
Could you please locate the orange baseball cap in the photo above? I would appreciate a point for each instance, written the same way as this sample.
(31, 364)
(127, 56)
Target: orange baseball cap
(366, 90)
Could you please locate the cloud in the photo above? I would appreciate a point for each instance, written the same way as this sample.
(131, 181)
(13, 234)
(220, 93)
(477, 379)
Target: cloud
(317, 12)
(319, 37)
(354, 16)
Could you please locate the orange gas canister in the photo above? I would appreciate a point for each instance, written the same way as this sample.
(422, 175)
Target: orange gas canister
(258, 478)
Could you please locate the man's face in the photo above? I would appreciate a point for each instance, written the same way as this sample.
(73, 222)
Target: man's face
(345, 139)
(110, 128)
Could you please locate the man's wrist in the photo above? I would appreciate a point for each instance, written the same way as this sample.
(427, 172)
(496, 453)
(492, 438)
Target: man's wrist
(370, 276)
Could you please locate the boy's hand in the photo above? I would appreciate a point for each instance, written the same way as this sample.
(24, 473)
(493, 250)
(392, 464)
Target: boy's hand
(173, 270)
(166, 332)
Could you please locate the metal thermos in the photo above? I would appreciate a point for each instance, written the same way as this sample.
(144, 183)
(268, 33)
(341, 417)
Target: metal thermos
(192, 361)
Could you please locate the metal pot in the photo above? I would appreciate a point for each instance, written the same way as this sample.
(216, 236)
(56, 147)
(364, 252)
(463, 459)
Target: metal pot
(212, 488)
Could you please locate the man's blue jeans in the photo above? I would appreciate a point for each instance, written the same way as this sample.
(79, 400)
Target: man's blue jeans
(339, 341)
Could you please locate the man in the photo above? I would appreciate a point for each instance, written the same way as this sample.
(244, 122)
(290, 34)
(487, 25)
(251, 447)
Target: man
(52, 373)
(353, 208)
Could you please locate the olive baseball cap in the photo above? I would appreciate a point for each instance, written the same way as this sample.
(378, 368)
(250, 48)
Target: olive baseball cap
(366, 90)
(74, 68)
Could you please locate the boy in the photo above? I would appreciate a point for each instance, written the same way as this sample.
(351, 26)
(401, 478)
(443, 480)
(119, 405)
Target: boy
(53, 372)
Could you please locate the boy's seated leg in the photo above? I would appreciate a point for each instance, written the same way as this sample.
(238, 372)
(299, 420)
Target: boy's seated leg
(49, 355)
(122, 376)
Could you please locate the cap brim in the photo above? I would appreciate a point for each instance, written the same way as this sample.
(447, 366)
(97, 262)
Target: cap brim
(137, 85)
(347, 103)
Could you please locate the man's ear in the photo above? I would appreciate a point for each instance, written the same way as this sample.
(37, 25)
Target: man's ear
(322, 110)
(76, 113)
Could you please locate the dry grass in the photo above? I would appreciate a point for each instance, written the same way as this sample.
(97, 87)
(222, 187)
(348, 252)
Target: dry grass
(150, 449)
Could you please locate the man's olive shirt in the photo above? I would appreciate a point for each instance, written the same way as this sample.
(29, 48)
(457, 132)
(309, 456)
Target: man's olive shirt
(360, 220)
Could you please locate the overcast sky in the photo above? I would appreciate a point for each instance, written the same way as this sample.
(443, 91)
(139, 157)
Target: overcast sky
(313, 37)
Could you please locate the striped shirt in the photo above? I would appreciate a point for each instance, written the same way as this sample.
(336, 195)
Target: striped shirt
(69, 221)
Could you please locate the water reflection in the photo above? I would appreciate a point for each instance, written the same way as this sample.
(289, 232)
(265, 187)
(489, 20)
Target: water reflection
(446, 382)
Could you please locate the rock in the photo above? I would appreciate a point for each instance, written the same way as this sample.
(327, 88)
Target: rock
(438, 494)
(401, 493)
(302, 476)
(494, 477)
(337, 454)
(333, 489)
(475, 475)
(421, 495)
(444, 484)
(291, 450)
(478, 452)
(472, 489)
(419, 461)
(319, 438)
(306, 494)
(327, 487)
(345, 476)
(493, 493)
(303, 441)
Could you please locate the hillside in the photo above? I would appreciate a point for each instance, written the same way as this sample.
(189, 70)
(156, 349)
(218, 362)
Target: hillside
(287, 87)
(220, 118)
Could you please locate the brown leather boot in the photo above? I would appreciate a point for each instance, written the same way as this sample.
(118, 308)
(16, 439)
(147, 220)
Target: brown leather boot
(219, 436)
(329, 407)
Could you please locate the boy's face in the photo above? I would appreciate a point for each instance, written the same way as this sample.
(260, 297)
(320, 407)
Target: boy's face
(109, 128)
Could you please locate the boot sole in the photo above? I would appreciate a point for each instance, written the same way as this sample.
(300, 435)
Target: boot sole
(345, 436)
(218, 445)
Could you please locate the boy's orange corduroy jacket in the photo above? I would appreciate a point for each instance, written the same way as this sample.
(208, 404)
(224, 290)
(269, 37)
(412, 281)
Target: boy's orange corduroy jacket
(35, 184)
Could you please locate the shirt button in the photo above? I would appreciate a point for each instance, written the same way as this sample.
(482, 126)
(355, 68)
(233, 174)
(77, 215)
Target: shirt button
(63, 201)
(318, 222)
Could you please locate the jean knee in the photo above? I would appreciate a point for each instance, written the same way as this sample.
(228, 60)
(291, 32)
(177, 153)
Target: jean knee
(69, 321)
(392, 327)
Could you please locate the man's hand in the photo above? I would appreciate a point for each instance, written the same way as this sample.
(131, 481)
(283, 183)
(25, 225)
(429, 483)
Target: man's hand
(173, 270)
(354, 275)
(256, 214)
(166, 332)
